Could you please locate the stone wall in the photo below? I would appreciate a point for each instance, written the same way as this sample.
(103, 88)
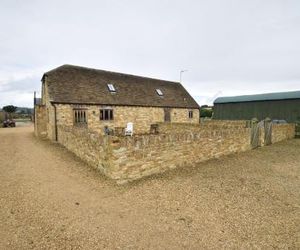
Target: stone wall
(208, 125)
(88, 145)
(40, 124)
(145, 155)
(282, 132)
(166, 127)
(142, 117)
(129, 158)
(297, 133)
(211, 122)
(176, 145)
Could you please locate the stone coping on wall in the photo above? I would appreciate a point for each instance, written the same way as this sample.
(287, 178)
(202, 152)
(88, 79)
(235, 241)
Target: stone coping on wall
(176, 135)
(216, 125)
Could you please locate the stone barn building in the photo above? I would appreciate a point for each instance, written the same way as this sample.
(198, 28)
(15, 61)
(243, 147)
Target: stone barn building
(78, 103)
(277, 106)
(94, 99)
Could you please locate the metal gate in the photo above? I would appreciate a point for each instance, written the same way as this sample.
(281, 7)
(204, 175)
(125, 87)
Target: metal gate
(268, 131)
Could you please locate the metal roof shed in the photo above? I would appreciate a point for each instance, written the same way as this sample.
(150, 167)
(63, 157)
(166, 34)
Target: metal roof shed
(281, 106)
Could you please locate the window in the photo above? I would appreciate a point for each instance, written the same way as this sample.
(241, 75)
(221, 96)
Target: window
(106, 114)
(159, 92)
(80, 116)
(190, 114)
(111, 87)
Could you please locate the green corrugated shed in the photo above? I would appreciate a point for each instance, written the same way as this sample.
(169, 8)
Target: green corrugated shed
(277, 106)
(260, 97)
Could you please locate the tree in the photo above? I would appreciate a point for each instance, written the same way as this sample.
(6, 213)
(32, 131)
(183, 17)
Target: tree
(206, 113)
(10, 108)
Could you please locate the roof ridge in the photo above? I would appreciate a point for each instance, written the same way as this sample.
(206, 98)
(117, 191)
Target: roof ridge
(111, 72)
(269, 93)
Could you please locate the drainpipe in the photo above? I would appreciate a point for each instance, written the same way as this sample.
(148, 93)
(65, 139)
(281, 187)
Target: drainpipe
(55, 121)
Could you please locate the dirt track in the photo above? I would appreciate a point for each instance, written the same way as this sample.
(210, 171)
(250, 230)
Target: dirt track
(51, 200)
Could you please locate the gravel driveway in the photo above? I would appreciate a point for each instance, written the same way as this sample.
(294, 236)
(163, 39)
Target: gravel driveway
(51, 200)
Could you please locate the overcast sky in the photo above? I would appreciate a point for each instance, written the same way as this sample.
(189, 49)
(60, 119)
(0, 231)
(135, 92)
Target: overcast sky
(228, 47)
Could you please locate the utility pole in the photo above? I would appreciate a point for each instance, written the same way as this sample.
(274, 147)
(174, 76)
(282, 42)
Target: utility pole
(34, 103)
(181, 72)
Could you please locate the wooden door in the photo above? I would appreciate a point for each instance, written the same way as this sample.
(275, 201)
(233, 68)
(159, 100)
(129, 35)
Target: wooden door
(167, 112)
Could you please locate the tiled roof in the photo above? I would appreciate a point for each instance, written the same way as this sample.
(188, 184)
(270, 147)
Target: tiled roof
(80, 85)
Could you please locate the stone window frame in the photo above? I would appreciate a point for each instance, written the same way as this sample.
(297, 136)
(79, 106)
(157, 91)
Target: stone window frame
(80, 116)
(106, 114)
(191, 114)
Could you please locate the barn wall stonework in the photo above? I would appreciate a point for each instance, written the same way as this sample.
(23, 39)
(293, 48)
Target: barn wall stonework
(142, 117)
(49, 111)
(40, 124)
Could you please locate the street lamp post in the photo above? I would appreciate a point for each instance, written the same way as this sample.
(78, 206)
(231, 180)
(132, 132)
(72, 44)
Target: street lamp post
(181, 72)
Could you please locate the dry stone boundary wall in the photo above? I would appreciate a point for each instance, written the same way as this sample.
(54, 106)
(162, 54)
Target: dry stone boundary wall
(281, 132)
(175, 145)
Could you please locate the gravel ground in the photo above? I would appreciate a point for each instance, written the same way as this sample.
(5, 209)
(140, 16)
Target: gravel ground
(23, 123)
(51, 200)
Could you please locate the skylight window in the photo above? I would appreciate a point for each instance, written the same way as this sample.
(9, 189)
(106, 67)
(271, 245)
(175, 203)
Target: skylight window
(111, 87)
(159, 92)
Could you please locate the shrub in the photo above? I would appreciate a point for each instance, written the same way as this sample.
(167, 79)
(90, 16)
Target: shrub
(206, 112)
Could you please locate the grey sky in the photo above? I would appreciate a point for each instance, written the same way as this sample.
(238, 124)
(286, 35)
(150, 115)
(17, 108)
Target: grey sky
(228, 47)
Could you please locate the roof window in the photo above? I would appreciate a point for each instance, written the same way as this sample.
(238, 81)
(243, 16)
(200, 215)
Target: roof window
(111, 87)
(159, 92)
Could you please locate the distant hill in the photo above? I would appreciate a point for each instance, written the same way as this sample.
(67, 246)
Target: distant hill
(24, 110)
